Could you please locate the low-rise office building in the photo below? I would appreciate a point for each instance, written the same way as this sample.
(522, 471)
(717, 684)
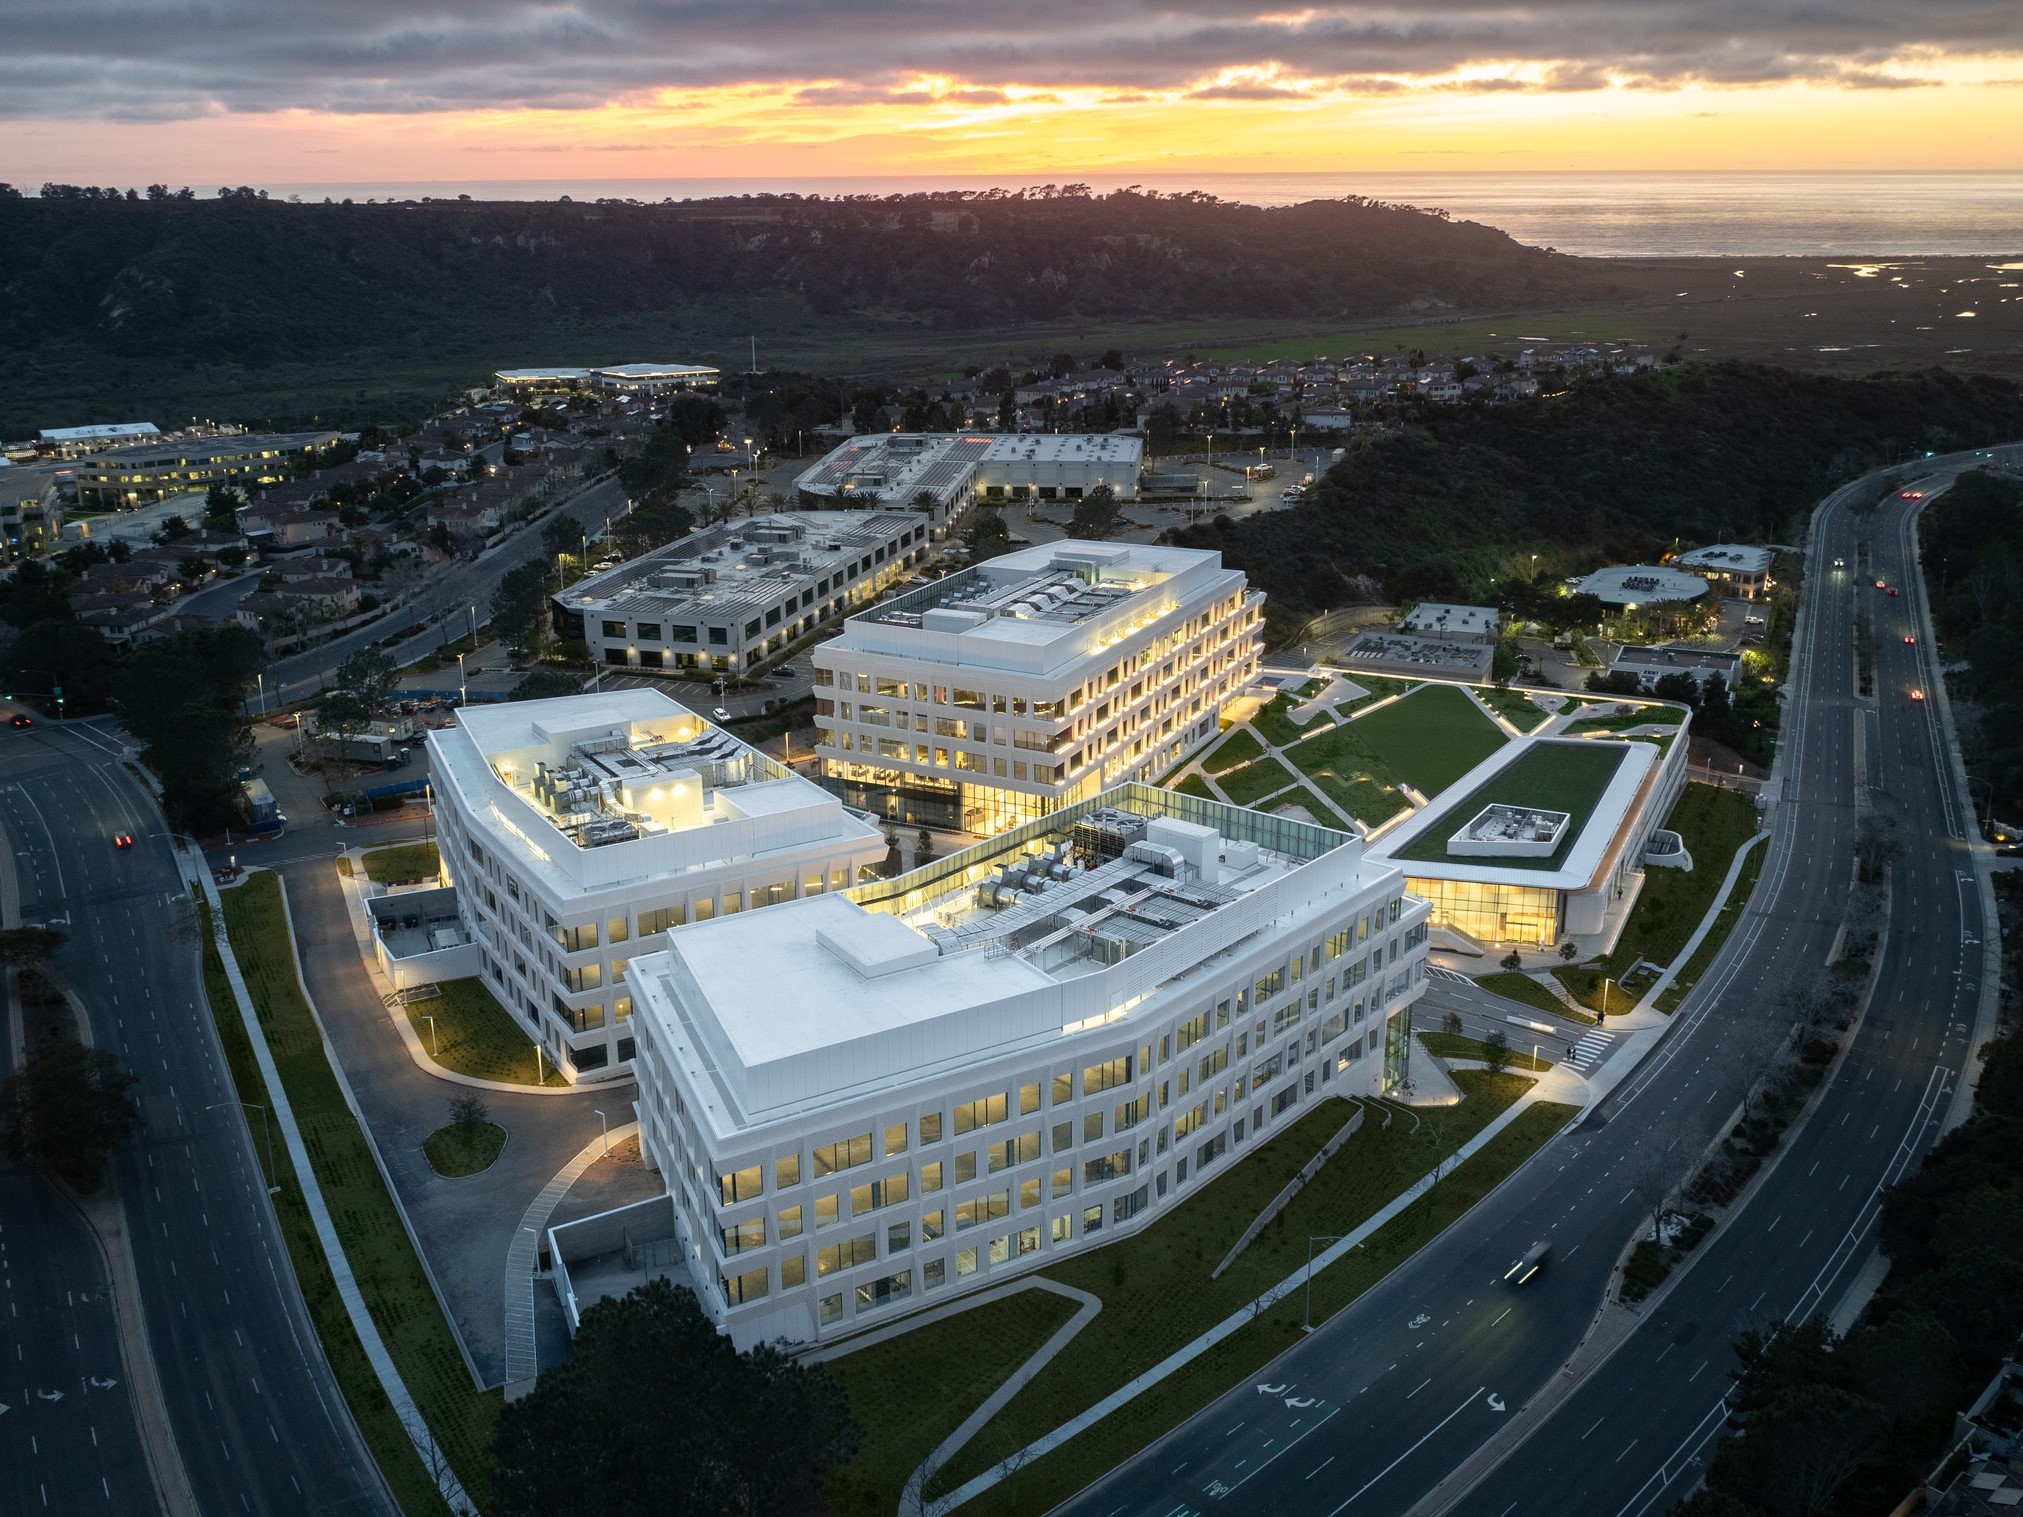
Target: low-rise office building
(879, 1100)
(157, 469)
(631, 378)
(1494, 872)
(1650, 665)
(1732, 568)
(1459, 624)
(942, 473)
(724, 599)
(1641, 585)
(992, 696)
(573, 829)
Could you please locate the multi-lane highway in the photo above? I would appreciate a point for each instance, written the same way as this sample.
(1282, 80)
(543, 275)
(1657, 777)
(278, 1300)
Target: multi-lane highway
(1374, 1412)
(254, 1411)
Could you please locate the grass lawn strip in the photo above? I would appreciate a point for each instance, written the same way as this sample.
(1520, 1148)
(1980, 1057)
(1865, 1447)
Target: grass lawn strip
(474, 1035)
(1275, 722)
(1567, 777)
(1253, 782)
(1731, 913)
(1656, 716)
(1155, 1286)
(1450, 1045)
(1431, 737)
(1240, 747)
(1068, 1468)
(1514, 706)
(1366, 800)
(1522, 987)
(401, 862)
(913, 1390)
(454, 1153)
(391, 1448)
(1192, 784)
(1714, 823)
(390, 1277)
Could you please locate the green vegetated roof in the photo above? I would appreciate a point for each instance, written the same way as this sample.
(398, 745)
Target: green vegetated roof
(1553, 776)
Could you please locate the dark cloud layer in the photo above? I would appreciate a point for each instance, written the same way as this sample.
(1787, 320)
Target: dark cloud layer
(166, 59)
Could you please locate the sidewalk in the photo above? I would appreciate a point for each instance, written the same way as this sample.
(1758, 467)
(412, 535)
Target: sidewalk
(1555, 1084)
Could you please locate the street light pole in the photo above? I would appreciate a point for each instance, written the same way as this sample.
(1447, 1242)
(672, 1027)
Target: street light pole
(434, 1048)
(606, 1126)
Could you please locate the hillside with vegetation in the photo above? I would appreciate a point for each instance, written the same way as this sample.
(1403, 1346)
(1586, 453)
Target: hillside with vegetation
(110, 300)
(1972, 542)
(1453, 502)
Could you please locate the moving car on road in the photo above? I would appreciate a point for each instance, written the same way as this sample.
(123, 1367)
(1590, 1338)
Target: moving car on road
(1917, 695)
(1533, 1261)
(22, 719)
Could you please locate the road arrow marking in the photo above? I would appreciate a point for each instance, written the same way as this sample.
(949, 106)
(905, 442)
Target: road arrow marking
(1496, 1403)
(1274, 1390)
(49, 1395)
(1421, 1320)
(1301, 1401)
(102, 1385)
(5, 1408)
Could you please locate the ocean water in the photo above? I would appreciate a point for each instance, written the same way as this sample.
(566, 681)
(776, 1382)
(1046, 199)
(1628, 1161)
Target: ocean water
(1613, 215)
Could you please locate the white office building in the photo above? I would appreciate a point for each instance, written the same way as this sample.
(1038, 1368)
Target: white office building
(875, 1101)
(942, 473)
(574, 829)
(724, 599)
(994, 695)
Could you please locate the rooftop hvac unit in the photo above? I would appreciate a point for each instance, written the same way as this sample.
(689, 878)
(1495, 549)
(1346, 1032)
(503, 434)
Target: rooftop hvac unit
(1167, 860)
(1106, 833)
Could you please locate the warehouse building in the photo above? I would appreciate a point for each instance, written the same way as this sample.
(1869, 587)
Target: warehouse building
(877, 1101)
(634, 378)
(725, 599)
(999, 693)
(572, 829)
(943, 473)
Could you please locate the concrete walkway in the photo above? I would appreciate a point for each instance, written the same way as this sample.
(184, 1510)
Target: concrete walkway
(1555, 1084)
(353, 886)
(523, 1256)
(376, 1354)
(1648, 1002)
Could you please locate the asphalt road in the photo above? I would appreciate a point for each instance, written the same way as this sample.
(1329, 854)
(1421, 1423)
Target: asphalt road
(254, 1409)
(1375, 1410)
(440, 613)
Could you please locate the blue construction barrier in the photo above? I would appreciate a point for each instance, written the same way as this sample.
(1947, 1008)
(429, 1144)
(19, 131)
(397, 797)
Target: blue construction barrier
(404, 787)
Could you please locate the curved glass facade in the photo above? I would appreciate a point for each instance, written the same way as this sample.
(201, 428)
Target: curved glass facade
(1492, 913)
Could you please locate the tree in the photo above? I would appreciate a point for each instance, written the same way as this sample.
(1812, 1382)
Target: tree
(1503, 664)
(1513, 961)
(342, 714)
(221, 507)
(368, 674)
(67, 1109)
(21, 947)
(562, 536)
(184, 698)
(545, 684)
(1096, 514)
(988, 536)
(1452, 1023)
(1569, 950)
(469, 1114)
(923, 847)
(520, 606)
(658, 1411)
(1496, 1052)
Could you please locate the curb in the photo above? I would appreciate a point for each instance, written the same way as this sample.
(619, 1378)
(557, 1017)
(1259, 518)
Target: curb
(383, 1367)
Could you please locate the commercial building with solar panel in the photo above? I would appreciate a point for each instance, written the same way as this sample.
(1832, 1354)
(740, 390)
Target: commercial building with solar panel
(942, 474)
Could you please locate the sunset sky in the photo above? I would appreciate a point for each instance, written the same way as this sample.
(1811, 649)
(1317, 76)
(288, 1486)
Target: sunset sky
(290, 91)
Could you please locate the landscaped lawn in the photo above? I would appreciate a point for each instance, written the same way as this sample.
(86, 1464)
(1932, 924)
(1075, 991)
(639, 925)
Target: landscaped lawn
(474, 1035)
(1237, 748)
(402, 862)
(1450, 1045)
(1253, 782)
(1522, 987)
(1368, 801)
(1514, 706)
(1157, 1294)
(1731, 913)
(1276, 723)
(1555, 776)
(1653, 716)
(390, 1277)
(1714, 822)
(454, 1152)
(910, 1392)
(1584, 983)
(1192, 783)
(1430, 738)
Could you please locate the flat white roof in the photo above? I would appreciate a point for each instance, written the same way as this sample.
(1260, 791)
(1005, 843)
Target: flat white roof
(1036, 609)
(106, 429)
(1642, 585)
(1597, 835)
(536, 376)
(656, 370)
(1736, 558)
(1437, 616)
